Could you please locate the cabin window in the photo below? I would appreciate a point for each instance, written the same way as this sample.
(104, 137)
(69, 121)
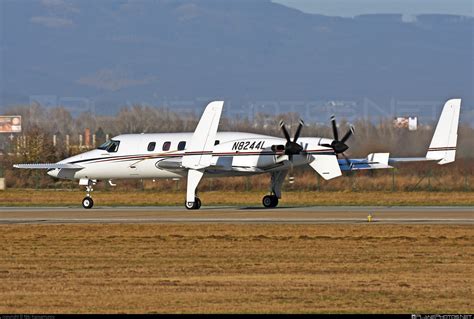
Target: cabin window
(181, 145)
(166, 146)
(110, 146)
(151, 146)
(217, 142)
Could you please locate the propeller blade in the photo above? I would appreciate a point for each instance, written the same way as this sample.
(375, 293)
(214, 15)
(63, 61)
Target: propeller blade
(298, 131)
(348, 134)
(348, 162)
(285, 132)
(334, 128)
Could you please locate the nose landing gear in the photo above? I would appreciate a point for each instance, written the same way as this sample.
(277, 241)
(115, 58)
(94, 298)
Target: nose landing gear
(87, 202)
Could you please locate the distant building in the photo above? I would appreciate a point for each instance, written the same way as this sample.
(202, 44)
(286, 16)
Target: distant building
(411, 123)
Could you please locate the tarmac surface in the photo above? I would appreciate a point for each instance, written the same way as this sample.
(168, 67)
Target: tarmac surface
(238, 215)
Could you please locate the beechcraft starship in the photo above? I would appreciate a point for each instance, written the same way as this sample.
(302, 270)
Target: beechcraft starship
(208, 153)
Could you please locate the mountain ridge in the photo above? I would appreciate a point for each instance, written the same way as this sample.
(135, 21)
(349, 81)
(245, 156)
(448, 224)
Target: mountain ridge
(119, 52)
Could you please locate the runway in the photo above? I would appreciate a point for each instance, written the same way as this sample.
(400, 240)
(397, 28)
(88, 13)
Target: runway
(238, 215)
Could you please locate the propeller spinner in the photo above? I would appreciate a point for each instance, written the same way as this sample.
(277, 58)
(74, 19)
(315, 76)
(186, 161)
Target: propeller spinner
(340, 146)
(292, 147)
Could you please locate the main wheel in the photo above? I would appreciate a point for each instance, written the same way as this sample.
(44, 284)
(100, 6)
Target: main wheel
(87, 203)
(270, 201)
(193, 205)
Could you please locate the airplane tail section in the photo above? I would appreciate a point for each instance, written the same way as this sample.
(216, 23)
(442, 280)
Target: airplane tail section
(443, 144)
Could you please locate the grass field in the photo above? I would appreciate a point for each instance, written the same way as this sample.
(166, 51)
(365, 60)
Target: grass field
(16, 197)
(236, 268)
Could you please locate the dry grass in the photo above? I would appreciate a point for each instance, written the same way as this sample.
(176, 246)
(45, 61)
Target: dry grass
(458, 176)
(151, 198)
(236, 268)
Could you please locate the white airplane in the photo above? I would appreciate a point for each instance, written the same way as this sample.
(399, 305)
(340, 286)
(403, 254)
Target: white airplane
(208, 153)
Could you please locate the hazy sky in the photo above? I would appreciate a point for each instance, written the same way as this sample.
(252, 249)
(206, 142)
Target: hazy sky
(349, 8)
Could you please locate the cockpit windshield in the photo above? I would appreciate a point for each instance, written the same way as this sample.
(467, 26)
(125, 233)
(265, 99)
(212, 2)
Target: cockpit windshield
(110, 146)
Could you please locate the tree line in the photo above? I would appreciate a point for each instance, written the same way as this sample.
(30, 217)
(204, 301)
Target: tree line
(39, 124)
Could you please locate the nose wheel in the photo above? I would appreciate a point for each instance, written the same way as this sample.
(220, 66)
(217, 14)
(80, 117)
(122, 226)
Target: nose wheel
(193, 205)
(87, 202)
(270, 201)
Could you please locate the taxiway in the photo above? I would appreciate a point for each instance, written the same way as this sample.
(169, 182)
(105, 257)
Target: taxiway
(235, 215)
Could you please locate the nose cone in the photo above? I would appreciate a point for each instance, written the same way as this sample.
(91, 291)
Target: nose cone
(53, 172)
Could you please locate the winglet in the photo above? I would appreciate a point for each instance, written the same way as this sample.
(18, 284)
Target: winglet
(326, 165)
(199, 151)
(443, 144)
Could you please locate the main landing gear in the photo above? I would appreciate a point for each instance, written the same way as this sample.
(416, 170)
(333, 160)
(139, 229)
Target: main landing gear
(277, 179)
(270, 201)
(87, 202)
(193, 205)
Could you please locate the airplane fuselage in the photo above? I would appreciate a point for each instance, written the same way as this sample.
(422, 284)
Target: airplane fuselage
(159, 155)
